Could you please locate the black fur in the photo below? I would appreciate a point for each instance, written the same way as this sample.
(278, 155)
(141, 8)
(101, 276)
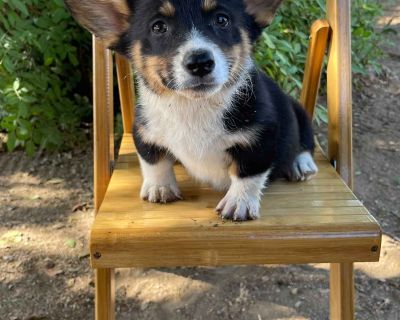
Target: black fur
(285, 129)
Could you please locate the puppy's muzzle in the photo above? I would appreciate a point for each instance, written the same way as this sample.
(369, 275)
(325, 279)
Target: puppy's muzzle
(199, 63)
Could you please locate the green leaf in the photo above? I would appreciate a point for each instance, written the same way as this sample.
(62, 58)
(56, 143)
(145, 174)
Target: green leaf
(11, 141)
(72, 58)
(8, 64)
(30, 148)
(268, 41)
(71, 243)
(48, 61)
(322, 114)
(21, 6)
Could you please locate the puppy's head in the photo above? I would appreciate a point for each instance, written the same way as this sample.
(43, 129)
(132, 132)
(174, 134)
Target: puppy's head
(194, 48)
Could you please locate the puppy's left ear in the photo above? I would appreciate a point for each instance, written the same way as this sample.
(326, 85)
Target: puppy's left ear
(263, 11)
(107, 19)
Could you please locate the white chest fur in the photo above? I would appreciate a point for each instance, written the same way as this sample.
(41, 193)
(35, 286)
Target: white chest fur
(193, 131)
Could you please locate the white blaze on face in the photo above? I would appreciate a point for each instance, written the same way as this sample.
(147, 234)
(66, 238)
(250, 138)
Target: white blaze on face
(196, 42)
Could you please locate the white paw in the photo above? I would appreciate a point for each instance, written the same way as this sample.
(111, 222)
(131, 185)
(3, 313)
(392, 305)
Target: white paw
(239, 209)
(160, 193)
(304, 167)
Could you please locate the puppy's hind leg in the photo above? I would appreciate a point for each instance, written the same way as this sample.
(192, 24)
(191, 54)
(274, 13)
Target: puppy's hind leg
(304, 167)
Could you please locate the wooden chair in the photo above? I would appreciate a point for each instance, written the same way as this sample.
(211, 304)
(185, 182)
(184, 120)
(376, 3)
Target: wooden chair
(311, 222)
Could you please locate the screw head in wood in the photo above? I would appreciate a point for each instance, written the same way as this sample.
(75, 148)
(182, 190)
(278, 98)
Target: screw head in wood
(374, 248)
(97, 255)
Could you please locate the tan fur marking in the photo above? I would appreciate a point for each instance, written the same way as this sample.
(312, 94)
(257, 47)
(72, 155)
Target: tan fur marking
(150, 69)
(233, 169)
(239, 54)
(209, 5)
(137, 57)
(167, 9)
(153, 66)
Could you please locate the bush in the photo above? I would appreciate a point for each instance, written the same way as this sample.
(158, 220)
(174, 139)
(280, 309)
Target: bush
(282, 49)
(41, 103)
(45, 64)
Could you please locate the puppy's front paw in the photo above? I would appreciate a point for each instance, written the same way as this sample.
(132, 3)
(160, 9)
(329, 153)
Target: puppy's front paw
(304, 168)
(239, 209)
(160, 193)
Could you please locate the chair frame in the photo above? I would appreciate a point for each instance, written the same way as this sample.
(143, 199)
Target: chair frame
(334, 31)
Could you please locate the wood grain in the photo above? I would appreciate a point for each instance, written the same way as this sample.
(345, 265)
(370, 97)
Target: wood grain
(341, 291)
(316, 221)
(126, 92)
(105, 294)
(340, 89)
(315, 59)
(102, 124)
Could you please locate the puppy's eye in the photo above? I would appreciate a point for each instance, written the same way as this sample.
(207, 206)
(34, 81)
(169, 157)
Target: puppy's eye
(159, 27)
(222, 20)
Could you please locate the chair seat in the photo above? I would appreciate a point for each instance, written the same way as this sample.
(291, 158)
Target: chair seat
(316, 221)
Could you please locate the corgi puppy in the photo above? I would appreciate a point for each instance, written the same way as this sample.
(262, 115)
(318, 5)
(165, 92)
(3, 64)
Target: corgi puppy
(202, 100)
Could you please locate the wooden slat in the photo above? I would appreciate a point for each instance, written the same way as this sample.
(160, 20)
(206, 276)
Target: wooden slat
(126, 92)
(340, 89)
(315, 60)
(231, 250)
(195, 224)
(316, 221)
(341, 291)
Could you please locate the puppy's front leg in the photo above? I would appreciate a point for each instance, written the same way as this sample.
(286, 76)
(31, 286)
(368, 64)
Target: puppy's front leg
(242, 201)
(159, 185)
(159, 182)
(249, 173)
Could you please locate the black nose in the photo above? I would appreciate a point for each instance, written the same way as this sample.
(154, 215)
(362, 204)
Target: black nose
(199, 63)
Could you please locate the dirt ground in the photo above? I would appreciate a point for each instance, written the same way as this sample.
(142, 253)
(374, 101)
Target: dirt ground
(46, 211)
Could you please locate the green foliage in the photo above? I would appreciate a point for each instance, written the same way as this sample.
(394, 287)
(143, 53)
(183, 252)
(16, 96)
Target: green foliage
(40, 75)
(45, 64)
(282, 49)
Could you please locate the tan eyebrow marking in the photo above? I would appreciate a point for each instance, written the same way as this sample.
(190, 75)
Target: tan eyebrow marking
(167, 9)
(209, 5)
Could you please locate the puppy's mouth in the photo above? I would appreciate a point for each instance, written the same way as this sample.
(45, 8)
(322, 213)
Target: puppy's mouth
(202, 87)
(200, 90)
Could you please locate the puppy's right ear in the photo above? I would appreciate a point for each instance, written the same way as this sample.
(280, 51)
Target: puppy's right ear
(107, 19)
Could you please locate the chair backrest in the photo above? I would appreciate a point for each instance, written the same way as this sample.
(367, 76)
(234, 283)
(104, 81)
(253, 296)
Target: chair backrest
(340, 89)
(103, 119)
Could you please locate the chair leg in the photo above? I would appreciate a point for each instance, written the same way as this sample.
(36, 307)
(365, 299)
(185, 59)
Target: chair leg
(341, 291)
(105, 294)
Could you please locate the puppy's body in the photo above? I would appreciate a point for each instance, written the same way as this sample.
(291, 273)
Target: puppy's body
(192, 131)
(202, 100)
(208, 139)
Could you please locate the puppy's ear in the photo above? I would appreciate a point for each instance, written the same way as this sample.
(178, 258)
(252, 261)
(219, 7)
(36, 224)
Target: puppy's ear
(263, 11)
(107, 19)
